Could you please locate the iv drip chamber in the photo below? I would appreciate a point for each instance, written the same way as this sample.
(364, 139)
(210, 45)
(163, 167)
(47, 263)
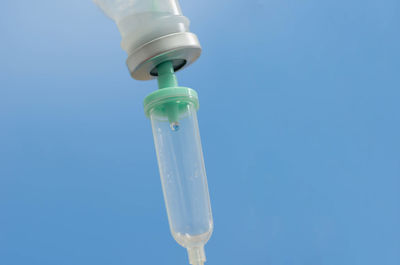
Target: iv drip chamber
(173, 115)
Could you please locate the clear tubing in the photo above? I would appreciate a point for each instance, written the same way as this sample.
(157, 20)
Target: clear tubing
(183, 177)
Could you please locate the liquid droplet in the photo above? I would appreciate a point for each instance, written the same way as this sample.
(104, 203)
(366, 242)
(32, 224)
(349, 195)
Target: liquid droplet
(175, 126)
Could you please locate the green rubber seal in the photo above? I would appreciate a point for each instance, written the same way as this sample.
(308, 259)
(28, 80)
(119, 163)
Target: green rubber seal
(166, 99)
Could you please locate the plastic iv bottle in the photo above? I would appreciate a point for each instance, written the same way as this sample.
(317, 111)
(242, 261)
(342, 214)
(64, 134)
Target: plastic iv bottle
(152, 31)
(141, 21)
(172, 111)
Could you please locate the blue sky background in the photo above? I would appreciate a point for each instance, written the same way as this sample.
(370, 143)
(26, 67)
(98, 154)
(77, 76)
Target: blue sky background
(299, 117)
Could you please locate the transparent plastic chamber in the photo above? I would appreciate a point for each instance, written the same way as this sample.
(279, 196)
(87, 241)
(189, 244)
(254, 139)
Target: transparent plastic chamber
(183, 175)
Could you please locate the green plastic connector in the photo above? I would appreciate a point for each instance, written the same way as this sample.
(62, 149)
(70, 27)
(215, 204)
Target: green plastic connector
(169, 100)
(166, 75)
